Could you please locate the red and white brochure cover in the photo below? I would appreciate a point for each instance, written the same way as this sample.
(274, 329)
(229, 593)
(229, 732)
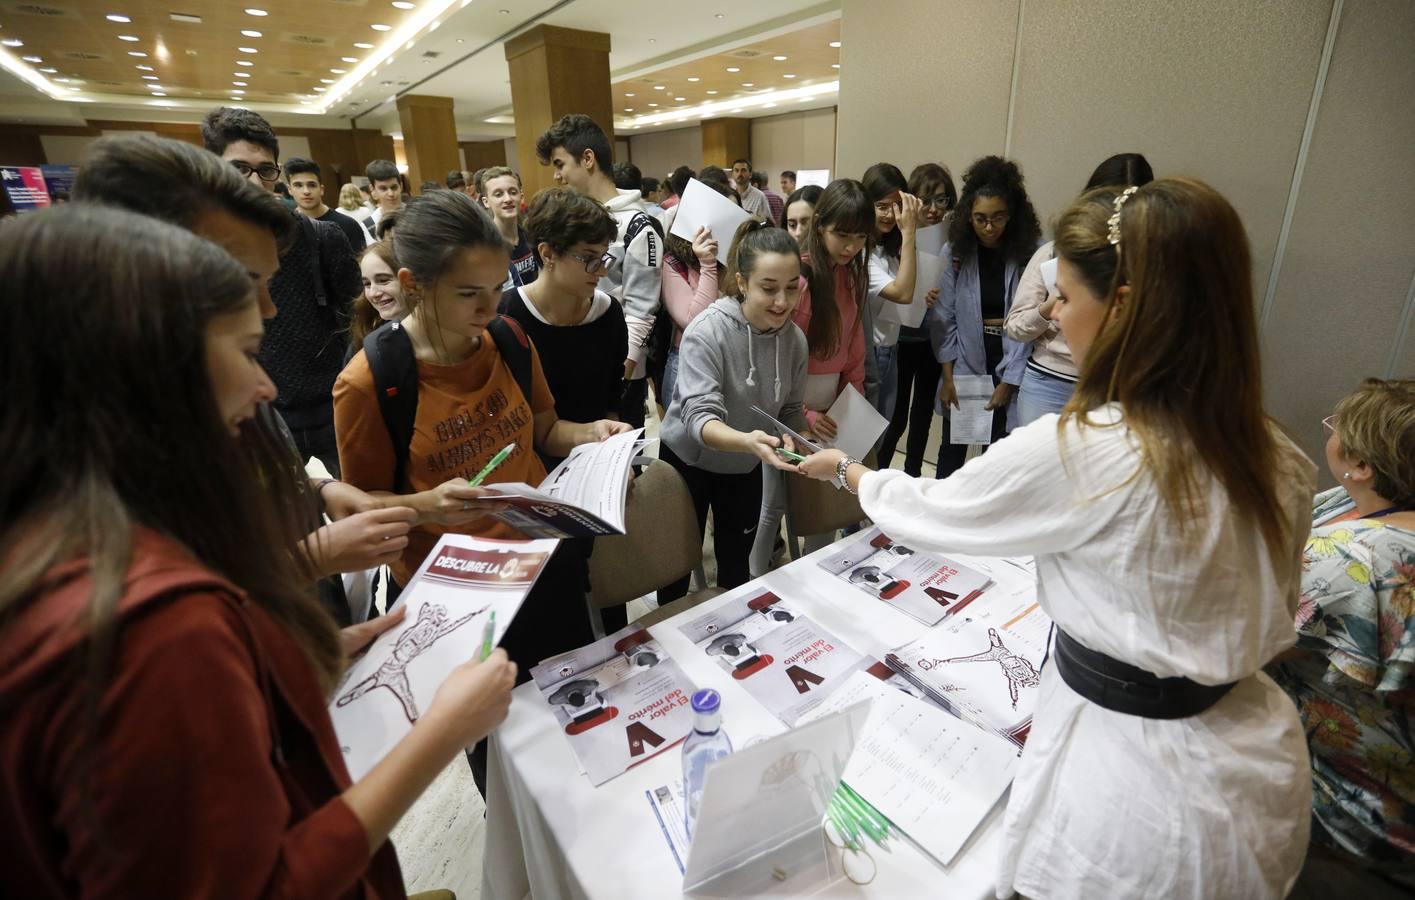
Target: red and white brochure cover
(921, 585)
(620, 701)
(450, 601)
(779, 656)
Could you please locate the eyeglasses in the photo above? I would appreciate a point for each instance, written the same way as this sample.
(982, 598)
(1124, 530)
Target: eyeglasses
(267, 172)
(997, 220)
(939, 202)
(1329, 423)
(595, 263)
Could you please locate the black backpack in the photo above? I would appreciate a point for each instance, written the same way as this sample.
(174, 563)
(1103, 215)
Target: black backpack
(395, 379)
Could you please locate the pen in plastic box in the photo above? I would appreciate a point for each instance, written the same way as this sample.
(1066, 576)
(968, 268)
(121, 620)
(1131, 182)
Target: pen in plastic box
(865, 808)
(496, 460)
(487, 635)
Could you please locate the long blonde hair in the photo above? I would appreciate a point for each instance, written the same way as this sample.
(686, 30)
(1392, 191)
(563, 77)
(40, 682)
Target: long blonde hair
(1181, 356)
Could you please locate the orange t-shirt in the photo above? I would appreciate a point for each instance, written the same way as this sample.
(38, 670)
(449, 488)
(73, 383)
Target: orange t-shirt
(466, 412)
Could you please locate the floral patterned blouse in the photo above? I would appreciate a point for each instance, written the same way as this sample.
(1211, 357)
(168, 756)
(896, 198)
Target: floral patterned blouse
(1356, 689)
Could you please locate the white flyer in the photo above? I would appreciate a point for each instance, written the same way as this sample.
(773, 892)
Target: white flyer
(931, 238)
(928, 274)
(971, 421)
(701, 205)
(921, 585)
(461, 584)
(858, 424)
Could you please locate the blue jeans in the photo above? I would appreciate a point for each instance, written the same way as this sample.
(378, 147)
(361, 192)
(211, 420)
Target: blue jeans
(887, 360)
(1041, 394)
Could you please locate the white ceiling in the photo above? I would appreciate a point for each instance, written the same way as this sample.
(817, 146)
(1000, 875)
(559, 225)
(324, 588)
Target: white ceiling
(470, 65)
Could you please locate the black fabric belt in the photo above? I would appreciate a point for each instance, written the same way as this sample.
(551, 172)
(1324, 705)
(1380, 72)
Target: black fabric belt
(1123, 688)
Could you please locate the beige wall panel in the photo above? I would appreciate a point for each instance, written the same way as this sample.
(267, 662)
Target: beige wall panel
(798, 140)
(1209, 88)
(924, 81)
(1346, 272)
(660, 152)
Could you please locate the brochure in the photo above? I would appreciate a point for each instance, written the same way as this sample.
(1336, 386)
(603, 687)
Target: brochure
(782, 658)
(702, 206)
(858, 425)
(583, 497)
(620, 701)
(983, 663)
(450, 600)
(924, 586)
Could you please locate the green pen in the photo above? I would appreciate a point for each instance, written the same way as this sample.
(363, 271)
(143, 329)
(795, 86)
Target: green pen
(865, 808)
(487, 635)
(867, 822)
(496, 460)
(794, 457)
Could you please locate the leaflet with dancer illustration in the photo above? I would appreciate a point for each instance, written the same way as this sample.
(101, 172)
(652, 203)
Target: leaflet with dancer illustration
(620, 701)
(583, 497)
(922, 585)
(450, 603)
(779, 656)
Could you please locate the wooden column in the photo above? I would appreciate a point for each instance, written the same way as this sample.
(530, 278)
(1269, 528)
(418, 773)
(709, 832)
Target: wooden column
(483, 154)
(556, 71)
(725, 140)
(429, 138)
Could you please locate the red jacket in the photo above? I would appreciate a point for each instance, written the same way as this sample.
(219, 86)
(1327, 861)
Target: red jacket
(216, 772)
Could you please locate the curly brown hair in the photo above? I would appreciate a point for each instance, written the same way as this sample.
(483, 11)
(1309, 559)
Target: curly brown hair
(563, 218)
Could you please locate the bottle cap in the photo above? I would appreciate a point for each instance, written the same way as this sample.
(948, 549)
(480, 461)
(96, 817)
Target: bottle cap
(706, 700)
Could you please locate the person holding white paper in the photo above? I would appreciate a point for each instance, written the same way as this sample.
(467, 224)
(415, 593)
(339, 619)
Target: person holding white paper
(691, 275)
(1167, 515)
(1050, 376)
(990, 240)
(919, 371)
(741, 352)
(892, 265)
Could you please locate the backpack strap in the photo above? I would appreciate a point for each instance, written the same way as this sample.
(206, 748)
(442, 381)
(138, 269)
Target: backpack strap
(311, 231)
(515, 350)
(395, 381)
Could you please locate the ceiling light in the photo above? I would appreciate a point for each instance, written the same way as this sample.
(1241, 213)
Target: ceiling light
(748, 84)
(363, 46)
(326, 81)
(159, 94)
(63, 80)
(381, 27)
(138, 53)
(338, 71)
(32, 59)
(348, 59)
(628, 93)
(835, 43)
(694, 78)
(712, 92)
(49, 71)
(234, 91)
(680, 99)
(242, 74)
(239, 83)
(653, 104)
(403, 4)
(129, 37)
(115, 17)
(256, 12)
(835, 65)
(248, 49)
(788, 75)
(628, 109)
(733, 69)
(149, 78)
(244, 62)
(718, 16)
(145, 68)
(779, 58)
(248, 33)
(13, 42)
(659, 87)
(319, 90)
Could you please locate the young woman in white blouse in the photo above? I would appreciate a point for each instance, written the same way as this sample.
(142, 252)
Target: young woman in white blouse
(1167, 516)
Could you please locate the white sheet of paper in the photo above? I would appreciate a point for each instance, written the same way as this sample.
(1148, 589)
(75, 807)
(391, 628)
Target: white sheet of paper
(858, 424)
(1049, 275)
(971, 422)
(931, 238)
(700, 206)
(929, 272)
(932, 775)
(781, 427)
(818, 177)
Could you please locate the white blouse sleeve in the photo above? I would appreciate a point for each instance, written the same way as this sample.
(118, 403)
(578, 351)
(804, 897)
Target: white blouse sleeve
(1017, 499)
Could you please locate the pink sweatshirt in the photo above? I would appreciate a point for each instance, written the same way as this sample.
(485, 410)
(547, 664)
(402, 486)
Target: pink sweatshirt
(685, 297)
(848, 360)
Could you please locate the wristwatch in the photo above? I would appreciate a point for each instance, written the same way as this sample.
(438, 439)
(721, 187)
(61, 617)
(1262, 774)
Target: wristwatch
(840, 469)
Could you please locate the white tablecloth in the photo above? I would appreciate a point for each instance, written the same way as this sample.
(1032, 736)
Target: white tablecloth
(551, 835)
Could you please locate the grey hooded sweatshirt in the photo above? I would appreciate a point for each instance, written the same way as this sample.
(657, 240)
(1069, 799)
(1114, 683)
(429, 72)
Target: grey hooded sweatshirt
(725, 367)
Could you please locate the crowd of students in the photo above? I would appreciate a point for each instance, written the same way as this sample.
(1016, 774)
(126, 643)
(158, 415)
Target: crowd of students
(180, 343)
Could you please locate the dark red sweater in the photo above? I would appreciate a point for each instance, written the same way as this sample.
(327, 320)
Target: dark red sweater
(216, 773)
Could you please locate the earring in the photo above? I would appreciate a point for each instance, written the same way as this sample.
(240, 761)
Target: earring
(1346, 475)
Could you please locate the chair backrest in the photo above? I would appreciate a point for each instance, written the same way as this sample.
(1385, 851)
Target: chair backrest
(816, 507)
(660, 543)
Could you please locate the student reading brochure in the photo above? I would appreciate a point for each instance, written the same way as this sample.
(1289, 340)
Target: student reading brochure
(450, 604)
(620, 701)
(921, 585)
(782, 658)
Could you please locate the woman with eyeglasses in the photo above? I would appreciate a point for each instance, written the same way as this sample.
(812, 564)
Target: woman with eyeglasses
(577, 329)
(1050, 376)
(918, 371)
(1352, 672)
(470, 404)
(990, 241)
(891, 266)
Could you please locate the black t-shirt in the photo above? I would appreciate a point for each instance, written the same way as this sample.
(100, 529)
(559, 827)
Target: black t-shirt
(346, 224)
(992, 270)
(583, 364)
(524, 264)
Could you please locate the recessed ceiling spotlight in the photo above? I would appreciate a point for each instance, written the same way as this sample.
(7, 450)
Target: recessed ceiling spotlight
(248, 49)
(319, 90)
(13, 42)
(363, 46)
(680, 99)
(628, 93)
(159, 93)
(32, 59)
(835, 65)
(338, 71)
(129, 37)
(659, 87)
(239, 83)
(63, 80)
(835, 44)
(403, 4)
(326, 81)
(712, 92)
(381, 27)
(115, 17)
(748, 84)
(49, 71)
(348, 59)
(149, 78)
(694, 78)
(244, 62)
(138, 53)
(653, 104)
(237, 92)
(249, 33)
(718, 16)
(788, 75)
(733, 69)
(146, 68)
(779, 58)
(628, 109)
(256, 12)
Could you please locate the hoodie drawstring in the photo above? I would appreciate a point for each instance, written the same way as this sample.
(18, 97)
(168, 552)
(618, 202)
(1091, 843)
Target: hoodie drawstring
(751, 360)
(777, 342)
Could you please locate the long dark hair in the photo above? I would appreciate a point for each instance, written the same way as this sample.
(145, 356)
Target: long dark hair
(993, 176)
(845, 207)
(754, 237)
(880, 181)
(109, 316)
(1123, 170)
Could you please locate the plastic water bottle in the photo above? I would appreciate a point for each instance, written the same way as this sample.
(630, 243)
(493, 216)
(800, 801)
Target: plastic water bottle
(705, 745)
